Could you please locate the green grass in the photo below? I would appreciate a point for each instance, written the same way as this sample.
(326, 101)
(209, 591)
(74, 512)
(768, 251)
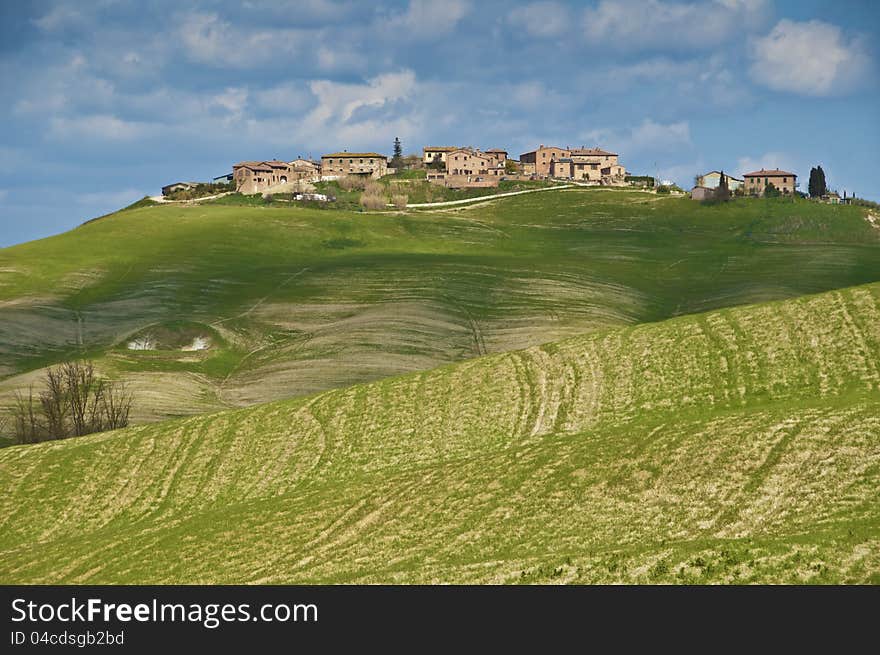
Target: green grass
(304, 300)
(740, 445)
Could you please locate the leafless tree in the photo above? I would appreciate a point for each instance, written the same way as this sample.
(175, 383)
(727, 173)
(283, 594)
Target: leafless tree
(74, 402)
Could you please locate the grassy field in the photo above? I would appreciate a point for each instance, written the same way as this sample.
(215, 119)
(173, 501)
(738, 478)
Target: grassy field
(294, 301)
(738, 445)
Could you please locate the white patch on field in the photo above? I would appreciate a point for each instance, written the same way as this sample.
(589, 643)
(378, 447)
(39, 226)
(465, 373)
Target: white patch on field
(874, 221)
(199, 343)
(142, 343)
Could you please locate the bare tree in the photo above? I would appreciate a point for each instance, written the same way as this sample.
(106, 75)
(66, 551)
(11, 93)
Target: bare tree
(74, 402)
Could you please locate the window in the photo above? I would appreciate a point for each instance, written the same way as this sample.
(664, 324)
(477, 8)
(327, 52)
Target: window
(784, 180)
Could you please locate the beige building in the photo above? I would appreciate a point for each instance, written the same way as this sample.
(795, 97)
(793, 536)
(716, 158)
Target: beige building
(498, 156)
(702, 193)
(463, 161)
(305, 165)
(435, 153)
(340, 164)
(757, 181)
(537, 162)
(597, 165)
(257, 176)
(561, 168)
(711, 180)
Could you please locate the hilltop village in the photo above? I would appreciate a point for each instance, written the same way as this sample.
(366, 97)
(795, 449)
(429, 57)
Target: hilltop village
(460, 167)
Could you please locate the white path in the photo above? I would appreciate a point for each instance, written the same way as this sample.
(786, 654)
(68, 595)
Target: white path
(450, 203)
(163, 200)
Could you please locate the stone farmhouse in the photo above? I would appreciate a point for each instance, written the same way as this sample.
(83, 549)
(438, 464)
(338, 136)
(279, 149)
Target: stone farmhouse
(584, 165)
(756, 182)
(259, 176)
(340, 164)
(470, 167)
(537, 162)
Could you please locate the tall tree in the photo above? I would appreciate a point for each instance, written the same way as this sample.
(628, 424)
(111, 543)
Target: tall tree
(722, 191)
(820, 181)
(397, 159)
(817, 186)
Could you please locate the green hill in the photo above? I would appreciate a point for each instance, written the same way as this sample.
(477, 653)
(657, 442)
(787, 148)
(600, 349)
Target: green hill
(245, 304)
(739, 445)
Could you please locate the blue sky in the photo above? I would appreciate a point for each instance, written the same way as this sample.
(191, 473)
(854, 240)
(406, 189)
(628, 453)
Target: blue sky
(107, 100)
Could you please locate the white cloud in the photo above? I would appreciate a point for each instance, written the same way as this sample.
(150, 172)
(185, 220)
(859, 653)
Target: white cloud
(633, 25)
(284, 98)
(59, 17)
(356, 115)
(103, 127)
(647, 137)
(428, 18)
(541, 19)
(769, 160)
(209, 40)
(810, 58)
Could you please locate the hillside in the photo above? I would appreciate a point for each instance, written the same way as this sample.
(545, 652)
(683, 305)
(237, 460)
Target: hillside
(246, 304)
(739, 445)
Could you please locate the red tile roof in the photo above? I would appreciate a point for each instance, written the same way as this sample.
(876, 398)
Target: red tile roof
(770, 173)
(592, 152)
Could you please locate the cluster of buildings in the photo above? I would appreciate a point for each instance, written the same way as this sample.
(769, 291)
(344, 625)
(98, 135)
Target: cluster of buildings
(461, 167)
(451, 166)
(592, 165)
(752, 184)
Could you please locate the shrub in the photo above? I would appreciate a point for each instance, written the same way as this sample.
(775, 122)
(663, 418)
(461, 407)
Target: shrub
(352, 183)
(373, 200)
(399, 201)
(74, 402)
(664, 189)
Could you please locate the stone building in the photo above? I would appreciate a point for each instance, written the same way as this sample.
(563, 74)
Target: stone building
(257, 176)
(757, 181)
(597, 165)
(340, 164)
(537, 162)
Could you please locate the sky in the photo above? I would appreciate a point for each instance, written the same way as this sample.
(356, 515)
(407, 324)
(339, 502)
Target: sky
(105, 101)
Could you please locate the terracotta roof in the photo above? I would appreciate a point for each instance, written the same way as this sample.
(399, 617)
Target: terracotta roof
(593, 152)
(542, 148)
(253, 165)
(439, 148)
(496, 150)
(770, 173)
(274, 163)
(354, 154)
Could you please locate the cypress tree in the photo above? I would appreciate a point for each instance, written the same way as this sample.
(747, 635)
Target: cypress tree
(822, 187)
(397, 159)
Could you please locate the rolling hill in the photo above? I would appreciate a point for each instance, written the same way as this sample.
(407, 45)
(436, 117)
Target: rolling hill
(241, 304)
(735, 445)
